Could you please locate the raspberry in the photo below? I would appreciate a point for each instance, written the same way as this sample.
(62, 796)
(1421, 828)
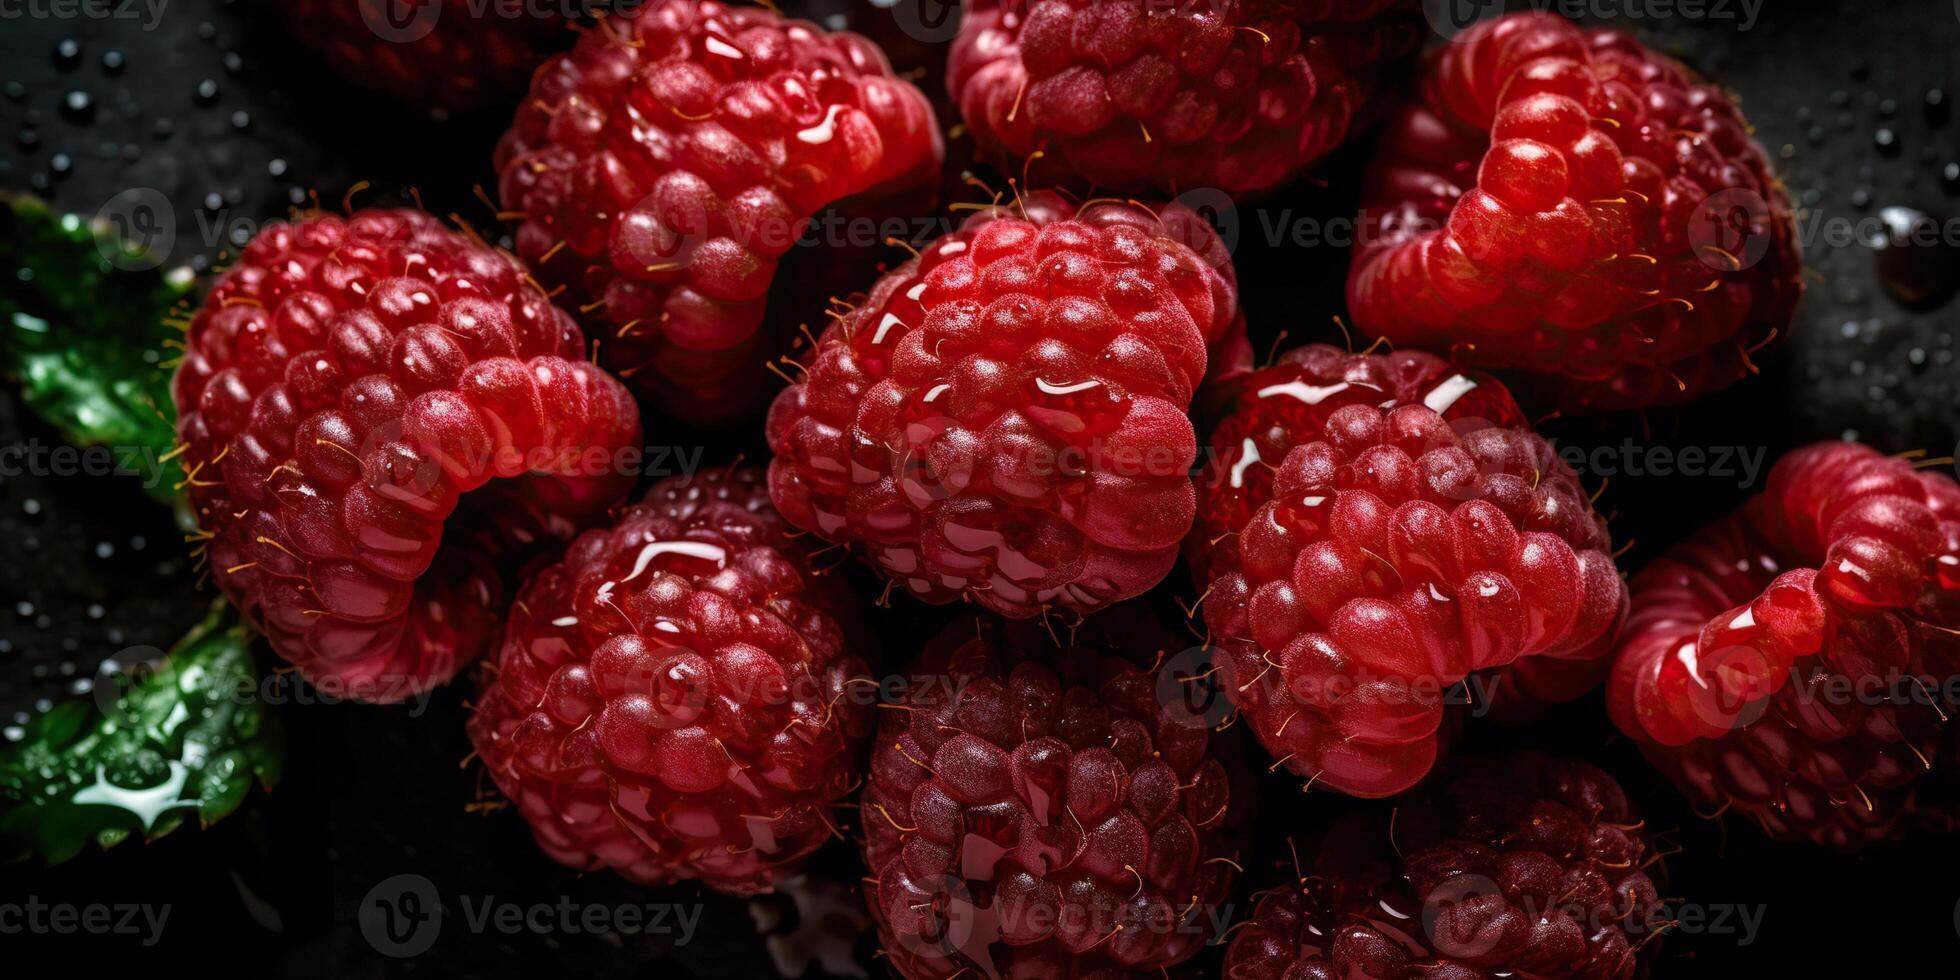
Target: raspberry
(1378, 529)
(349, 392)
(1004, 417)
(448, 56)
(1569, 204)
(1783, 662)
(1039, 810)
(665, 165)
(1524, 866)
(674, 699)
(1143, 97)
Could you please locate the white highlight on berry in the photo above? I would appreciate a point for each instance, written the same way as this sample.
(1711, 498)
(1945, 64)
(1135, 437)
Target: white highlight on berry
(1444, 395)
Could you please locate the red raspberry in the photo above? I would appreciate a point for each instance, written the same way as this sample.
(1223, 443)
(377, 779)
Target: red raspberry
(1784, 662)
(1144, 97)
(1004, 417)
(674, 699)
(1378, 528)
(666, 164)
(1034, 810)
(1524, 866)
(344, 386)
(444, 56)
(1567, 203)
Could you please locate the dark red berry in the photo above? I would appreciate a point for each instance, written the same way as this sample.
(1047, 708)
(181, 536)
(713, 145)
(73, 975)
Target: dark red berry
(664, 166)
(1525, 866)
(1004, 417)
(1043, 810)
(376, 414)
(1375, 530)
(1570, 204)
(444, 55)
(1792, 661)
(681, 697)
(1145, 97)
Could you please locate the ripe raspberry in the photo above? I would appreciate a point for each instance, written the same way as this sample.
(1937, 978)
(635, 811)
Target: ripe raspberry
(666, 164)
(1142, 97)
(1567, 203)
(1377, 529)
(674, 699)
(447, 56)
(1524, 866)
(1784, 662)
(1033, 810)
(1004, 416)
(347, 392)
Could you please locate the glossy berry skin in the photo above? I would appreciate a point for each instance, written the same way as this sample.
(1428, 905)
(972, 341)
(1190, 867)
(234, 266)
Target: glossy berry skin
(664, 166)
(1004, 417)
(681, 697)
(1525, 866)
(344, 387)
(445, 56)
(1153, 98)
(1568, 204)
(1790, 662)
(1044, 810)
(1375, 529)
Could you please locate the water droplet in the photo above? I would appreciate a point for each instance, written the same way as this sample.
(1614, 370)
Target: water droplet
(1887, 141)
(1917, 263)
(276, 168)
(1936, 107)
(241, 119)
(112, 62)
(30, 507)
(207, 92)
(163, 129)
(24, 608)
(60, 164)
(1888, 108)
(1861, 198)
(68, 53)
(104, 549)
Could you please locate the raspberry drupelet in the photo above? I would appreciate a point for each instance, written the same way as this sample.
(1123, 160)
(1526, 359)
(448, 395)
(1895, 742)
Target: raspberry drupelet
(376, 413)
(1151, 98)
(448, 56)
(1790, 662)
(1375, 529)
(681, 697)
(1525, 866)
(1564, 202)
(1004, 417)
(1045, 808)
(664, 166)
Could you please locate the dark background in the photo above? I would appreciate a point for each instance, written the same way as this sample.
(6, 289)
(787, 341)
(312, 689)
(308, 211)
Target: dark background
(1838, 93)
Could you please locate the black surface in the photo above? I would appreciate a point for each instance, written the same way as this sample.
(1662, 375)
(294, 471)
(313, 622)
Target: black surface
(372, 793)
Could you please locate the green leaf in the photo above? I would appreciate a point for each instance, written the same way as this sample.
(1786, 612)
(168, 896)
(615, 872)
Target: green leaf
(82, 328)
(142, 757)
